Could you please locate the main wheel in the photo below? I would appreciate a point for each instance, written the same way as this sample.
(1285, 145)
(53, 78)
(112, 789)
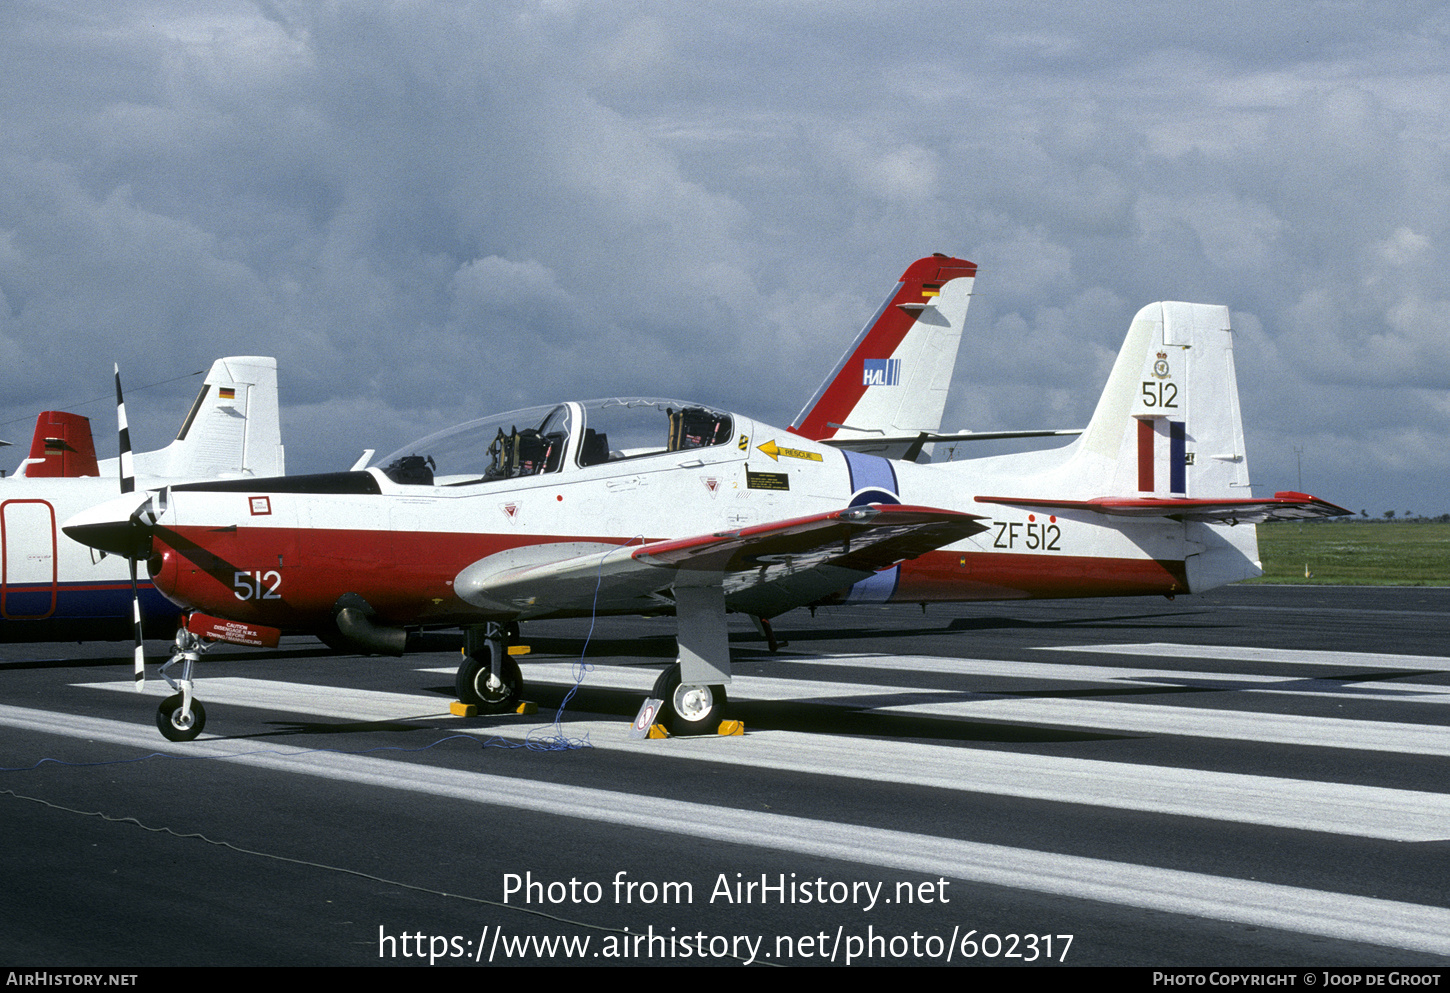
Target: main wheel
(173, 726)
(476, 685)
(688, 708)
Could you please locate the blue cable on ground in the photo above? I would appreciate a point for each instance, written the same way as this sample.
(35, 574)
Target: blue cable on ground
(551, 738)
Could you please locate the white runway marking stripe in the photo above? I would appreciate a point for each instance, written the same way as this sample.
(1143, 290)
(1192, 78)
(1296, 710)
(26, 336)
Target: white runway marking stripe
(1290, 656)
(1331, 808)
(1393, 692)
(1335, 915)
(1277, 729)
(1136, 718)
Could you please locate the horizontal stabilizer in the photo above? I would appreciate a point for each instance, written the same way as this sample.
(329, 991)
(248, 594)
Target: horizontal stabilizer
(892, 446)
(1283, 506)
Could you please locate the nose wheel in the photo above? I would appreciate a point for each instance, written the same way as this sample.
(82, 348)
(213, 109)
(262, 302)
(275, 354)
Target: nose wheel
(181, 716)
(176, 722)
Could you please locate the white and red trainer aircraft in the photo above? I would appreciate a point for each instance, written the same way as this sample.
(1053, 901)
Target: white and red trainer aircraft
(643, 506)
(52, 588)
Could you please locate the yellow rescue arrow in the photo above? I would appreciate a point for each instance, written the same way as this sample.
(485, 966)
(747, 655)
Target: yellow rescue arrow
(775, 451)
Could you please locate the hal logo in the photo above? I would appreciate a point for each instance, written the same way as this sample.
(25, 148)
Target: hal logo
(881, 372)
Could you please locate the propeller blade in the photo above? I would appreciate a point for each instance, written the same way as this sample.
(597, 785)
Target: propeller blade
(133, 539)
(128, 472)
(136, 629)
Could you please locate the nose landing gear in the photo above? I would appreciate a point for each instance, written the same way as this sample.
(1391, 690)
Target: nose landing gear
(181, 717)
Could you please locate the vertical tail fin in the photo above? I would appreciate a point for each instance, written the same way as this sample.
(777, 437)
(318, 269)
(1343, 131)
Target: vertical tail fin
(892, 382)
(61, 446)
(1168, 422)
(1165, 447)
(233, 428)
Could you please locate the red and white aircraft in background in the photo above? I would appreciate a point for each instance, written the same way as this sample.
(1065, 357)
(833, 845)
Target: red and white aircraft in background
(53, 588)
(640, 506)
(888, 393)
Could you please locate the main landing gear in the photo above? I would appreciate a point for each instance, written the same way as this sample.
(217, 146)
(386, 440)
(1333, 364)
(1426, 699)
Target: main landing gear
(688, 708)
(692, 691)
(489, 678)
(180, 716)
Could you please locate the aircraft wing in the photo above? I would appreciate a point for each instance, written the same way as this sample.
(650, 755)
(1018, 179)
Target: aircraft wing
(1283, 506)
(765, 569)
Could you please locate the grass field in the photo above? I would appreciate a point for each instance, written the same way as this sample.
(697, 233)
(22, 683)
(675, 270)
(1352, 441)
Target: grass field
(1357, 553)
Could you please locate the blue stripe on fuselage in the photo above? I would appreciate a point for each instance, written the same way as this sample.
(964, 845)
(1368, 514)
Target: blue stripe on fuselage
(870, 472)
(79, 611)
(877, 588)
(877, 478)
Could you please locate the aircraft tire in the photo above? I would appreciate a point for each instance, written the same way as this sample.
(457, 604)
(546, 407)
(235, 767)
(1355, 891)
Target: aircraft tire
(472, 685)
(168, 719)
(686, 709)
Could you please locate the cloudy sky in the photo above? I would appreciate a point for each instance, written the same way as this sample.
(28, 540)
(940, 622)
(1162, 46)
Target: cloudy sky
(431, 211)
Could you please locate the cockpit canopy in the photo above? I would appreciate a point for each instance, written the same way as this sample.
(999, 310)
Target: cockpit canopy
(557, 438)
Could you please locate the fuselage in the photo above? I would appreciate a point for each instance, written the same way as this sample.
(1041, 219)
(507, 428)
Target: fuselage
(280, 553)
(53, 588)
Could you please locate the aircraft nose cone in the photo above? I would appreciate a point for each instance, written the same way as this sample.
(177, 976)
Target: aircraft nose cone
(111, 527)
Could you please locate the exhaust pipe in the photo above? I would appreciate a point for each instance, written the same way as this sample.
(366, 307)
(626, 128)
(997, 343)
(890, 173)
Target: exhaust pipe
(354, 618)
